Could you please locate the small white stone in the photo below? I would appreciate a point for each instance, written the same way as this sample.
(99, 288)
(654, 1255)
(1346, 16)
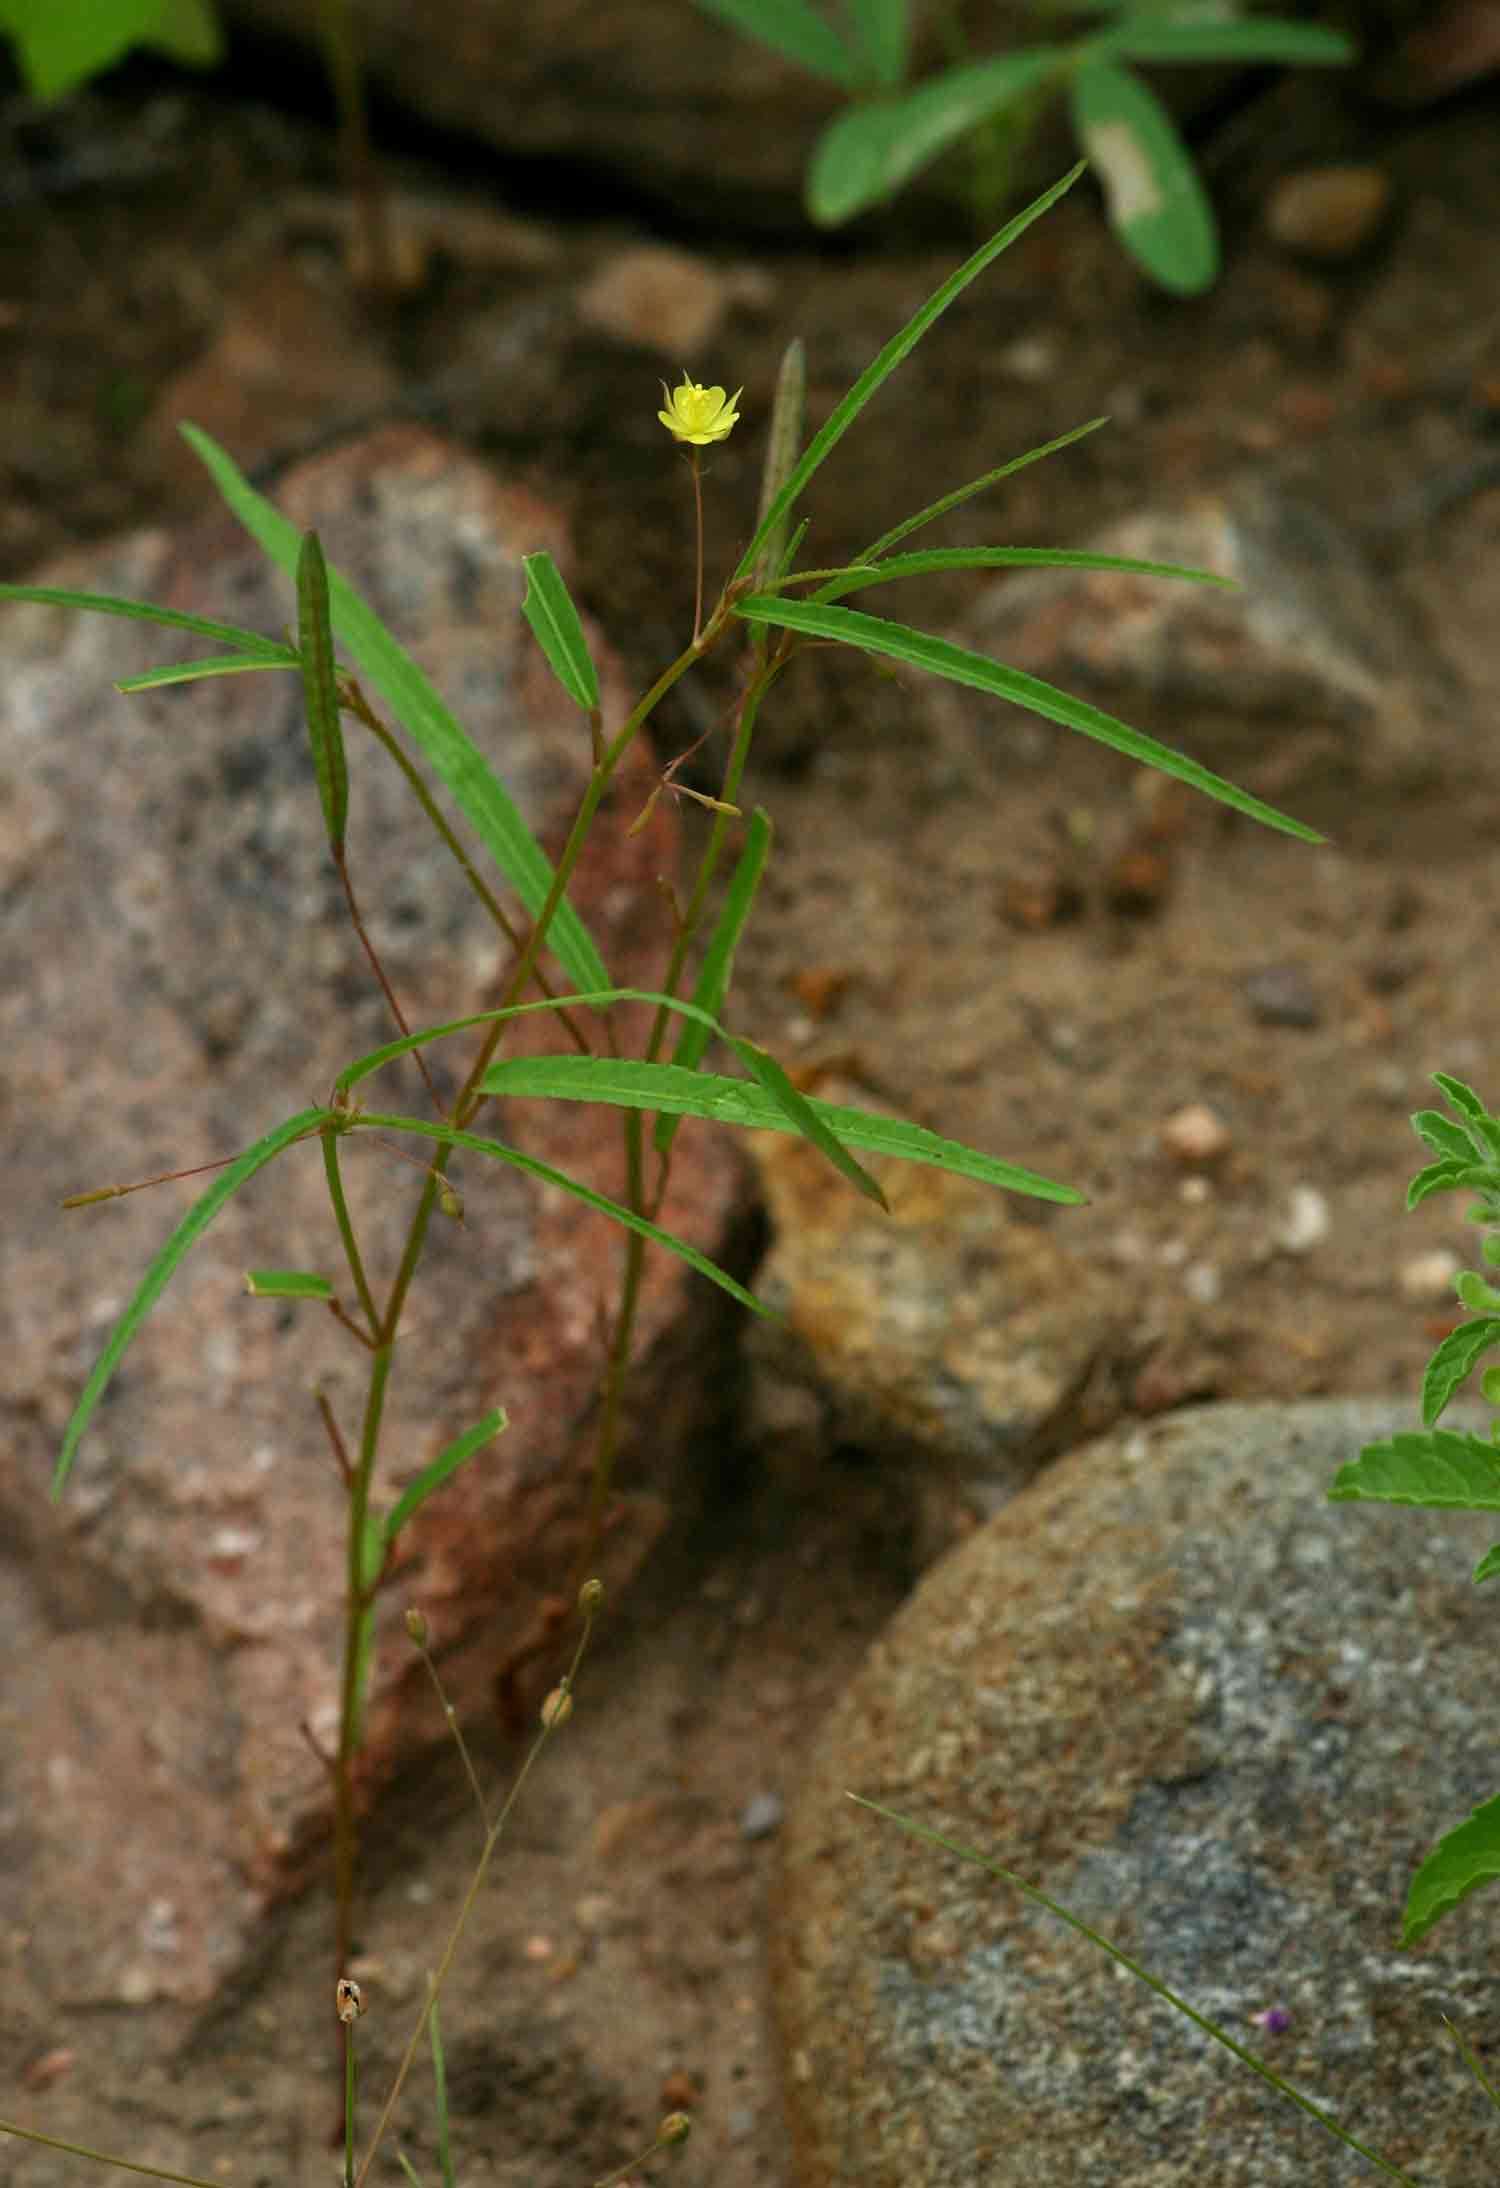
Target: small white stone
(1428, 1277)
(1202, 1283)
(1195, 1134)
(1306, 1223)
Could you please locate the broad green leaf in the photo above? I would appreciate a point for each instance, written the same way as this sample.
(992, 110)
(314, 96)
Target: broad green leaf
(792, 28)
(925, 562)
(1439, 1471)
(62, 43)
(1475, 1293)
(1157, 206)
(548, 608)
(717, 969)
(874, 376)
(1251, 38)
(320, 691)
(1459, 1863)
(1488, 1565)
(218, 664)
(1453, 1362)
(805, 1119)
(146, 611)
(286, 1284)
(961, 494)
(667, 1087)
(783, 445)
(898, 642)
(1143, 1976)
(449, 1136)
(164, 1266)
(391, 669)
(439, 1470)
(1462, 1098)
(882, 31)
(1445, 1176)
(1447, 1140)
(869, 151)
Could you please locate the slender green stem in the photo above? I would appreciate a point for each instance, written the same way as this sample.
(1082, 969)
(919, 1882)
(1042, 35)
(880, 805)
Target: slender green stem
(103, 2157)
(698, 564)
(350, 2078)
(330, 1138)
(382, 980)
(356, 1611)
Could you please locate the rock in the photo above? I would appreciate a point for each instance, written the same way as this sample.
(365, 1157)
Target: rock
(1195, 1134)
(1306, 1221)
(658, 299)
(1308, 644)
(1427, 1278)
(1219, 1719)
(951, 1335)
(177, 974)
(1328, 213)
(1282, 995)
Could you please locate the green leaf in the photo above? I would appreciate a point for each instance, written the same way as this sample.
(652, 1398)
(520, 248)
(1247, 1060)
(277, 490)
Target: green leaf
(828, 436)
(1462, 1098)
(545, 1174)
(805, 1119)
(390, 668)
(1157, 206)
(926, 561)
(960, 495)
(286, 1284)
(1453, 1362)
(793, 29)
(146, 611)
(447, 1463)
(868, 152)
(667, 1087)
(62, 43)
(717, 969)
(548, 608)
(882, 33)
(783, 443)
(898, 642)
(1256, 39)
(1439, 1471)
(1488, 1565)
(1445, 1138)
(440, 2095)
(1438, 1177)
(218, 664)
(320, 691)
(164, 1267)
(1475, 1293)
(1459, 1863)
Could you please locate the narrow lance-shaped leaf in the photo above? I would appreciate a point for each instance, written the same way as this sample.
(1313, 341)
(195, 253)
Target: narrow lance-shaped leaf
(899, 642)
(389, 667)
(1458, 1865)
(806, 1120)
(629, 1084)
(930, 561)
(287, 1284)
(1437, 1471)
(783, 442)
(164, 1266)
(146, 611)
(440, 1469)
(545, 1174)
(1157, 206)
(717, 969)
(320, 692)
(556, 626)
(895, 352)
(218, 664)
(1263, 38)
(961, 494)
(882, 30)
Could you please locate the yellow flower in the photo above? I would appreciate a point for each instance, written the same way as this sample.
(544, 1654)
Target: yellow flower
(699, 414)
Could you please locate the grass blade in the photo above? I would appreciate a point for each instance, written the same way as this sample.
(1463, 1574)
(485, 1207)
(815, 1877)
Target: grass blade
(961, 494)
(895, 352)
(803, 1118)
(545, 1174)
(145, 611)
(898, 642)
(555, 624)
(628, 1084)
(218, 664)
(320, 690)
(788, 423)
(164, 1267)
(447, 1463)
(1157, 206)
(1257, 39)
(390, 668)
(924, 563)
(717, 969)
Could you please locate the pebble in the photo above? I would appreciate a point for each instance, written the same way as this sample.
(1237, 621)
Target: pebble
(1281, 995)
(1306, 1223)
(1195, 1134)
(1428, 1277)
(659, 298)
(762, 1816)
(1328, 213)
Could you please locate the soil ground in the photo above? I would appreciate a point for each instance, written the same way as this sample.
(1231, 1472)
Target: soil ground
(613, 1968)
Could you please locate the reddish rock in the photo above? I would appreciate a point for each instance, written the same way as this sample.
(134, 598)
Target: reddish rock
(177, 974)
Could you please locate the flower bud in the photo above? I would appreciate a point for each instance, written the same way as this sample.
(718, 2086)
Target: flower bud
(348, 2000)
(676, 2127)
(416, 1628)
(557, 1708)
(590, 1598)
